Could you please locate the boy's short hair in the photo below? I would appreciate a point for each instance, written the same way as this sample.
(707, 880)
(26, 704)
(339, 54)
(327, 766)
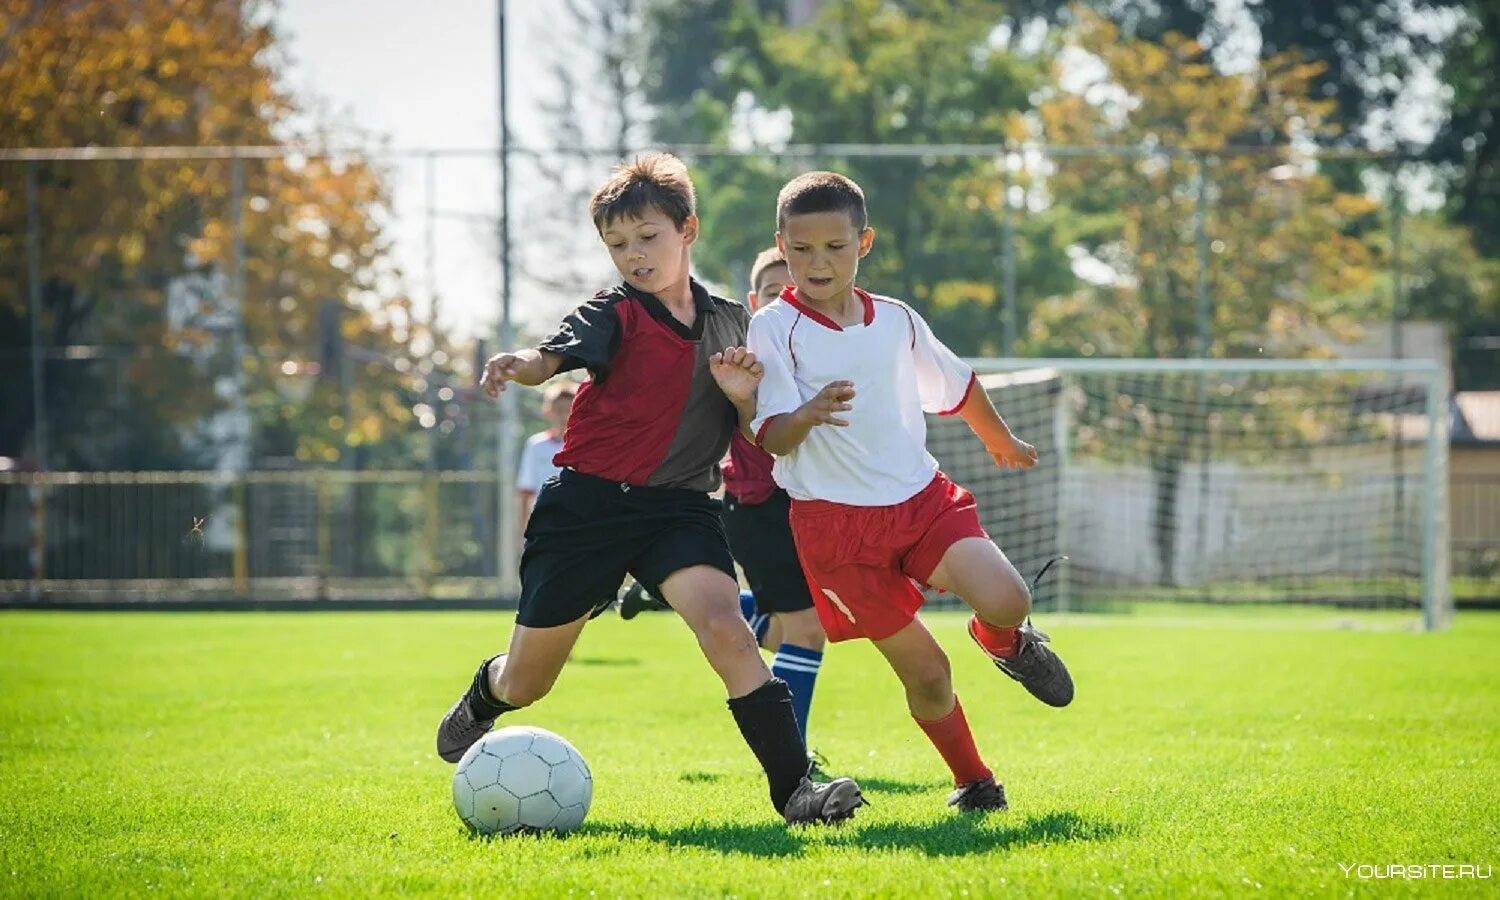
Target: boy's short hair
(658, 180)
(559, 389)
(771, 256)
(816, 192)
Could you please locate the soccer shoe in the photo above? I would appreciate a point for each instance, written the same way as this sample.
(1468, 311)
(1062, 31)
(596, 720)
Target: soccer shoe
(1039, 670)
(635, 601)
(823, 803)
(460, 728)
(979, 796)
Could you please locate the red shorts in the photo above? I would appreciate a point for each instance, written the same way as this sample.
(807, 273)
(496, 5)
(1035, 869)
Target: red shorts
(860, 561)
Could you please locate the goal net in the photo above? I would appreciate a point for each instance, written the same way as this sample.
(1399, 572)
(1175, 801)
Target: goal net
(1207, 481)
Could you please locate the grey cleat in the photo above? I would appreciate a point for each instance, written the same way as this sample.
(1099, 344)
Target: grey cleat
(823, 803)
(979, 796)
(1040, 671)
(460, 728)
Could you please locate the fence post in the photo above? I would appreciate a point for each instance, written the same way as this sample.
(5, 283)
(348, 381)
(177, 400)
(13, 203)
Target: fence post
(242, 407)
(325, 538)
(1008, 261)
(38, 388)
(1200, 226)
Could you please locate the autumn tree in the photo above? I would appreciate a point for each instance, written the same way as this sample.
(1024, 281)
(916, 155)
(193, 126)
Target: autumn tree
(138, 256)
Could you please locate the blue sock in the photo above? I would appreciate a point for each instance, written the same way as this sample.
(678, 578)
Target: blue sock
(798, 667)
(758, 623)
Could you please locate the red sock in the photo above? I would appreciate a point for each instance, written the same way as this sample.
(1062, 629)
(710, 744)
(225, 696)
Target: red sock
(955, 743)
(999, 641)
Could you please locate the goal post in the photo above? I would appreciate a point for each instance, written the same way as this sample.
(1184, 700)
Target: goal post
(1314, 482)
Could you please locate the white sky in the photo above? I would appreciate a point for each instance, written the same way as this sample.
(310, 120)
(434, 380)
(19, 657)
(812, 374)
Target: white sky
(425, 77)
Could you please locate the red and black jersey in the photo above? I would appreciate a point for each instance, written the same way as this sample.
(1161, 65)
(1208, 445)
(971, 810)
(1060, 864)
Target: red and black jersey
(747, 474)
(650, 414)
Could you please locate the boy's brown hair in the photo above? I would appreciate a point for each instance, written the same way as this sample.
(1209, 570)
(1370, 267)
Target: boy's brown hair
(816, 192)
(557, 390)
(658, 180)
(769, 257)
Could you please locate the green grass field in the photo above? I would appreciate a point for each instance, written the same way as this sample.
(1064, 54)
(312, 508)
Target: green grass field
(291, 754)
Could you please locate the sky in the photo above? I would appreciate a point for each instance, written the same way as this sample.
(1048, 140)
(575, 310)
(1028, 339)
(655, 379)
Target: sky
(425, 80)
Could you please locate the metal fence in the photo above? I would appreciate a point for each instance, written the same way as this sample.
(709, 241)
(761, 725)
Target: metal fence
(206, 274)
(301, 535)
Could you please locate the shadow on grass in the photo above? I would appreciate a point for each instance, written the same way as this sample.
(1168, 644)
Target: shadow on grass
(699, 777)
(769, 839)
(892, 786)
(958, 836)
(965, 834)
(619, 662)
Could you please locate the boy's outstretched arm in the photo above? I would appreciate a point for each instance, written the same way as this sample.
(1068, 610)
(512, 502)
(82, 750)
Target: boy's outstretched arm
(530, 367)
(782, 434)
(1007, 450)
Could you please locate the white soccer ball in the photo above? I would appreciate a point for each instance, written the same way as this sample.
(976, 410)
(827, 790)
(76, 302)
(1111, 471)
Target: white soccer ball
(522, 778)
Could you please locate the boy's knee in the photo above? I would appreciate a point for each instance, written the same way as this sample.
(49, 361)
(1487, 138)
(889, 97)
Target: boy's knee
(1007, 603)
(933, 680)
(725, 632)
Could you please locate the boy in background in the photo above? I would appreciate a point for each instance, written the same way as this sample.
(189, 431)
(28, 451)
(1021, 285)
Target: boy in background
(536, 457)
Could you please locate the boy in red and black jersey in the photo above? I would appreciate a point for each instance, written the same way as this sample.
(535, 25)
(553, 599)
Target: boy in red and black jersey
(670, 381)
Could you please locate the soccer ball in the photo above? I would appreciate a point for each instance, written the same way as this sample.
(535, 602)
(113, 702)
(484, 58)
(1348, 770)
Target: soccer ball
(522, 779)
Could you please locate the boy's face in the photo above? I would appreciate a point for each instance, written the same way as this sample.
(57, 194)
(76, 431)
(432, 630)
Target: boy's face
(772, 281)
(822, 252)
(650, 252)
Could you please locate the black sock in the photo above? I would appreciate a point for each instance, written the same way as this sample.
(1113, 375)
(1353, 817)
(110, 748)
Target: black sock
(481, 704)
(769, 726)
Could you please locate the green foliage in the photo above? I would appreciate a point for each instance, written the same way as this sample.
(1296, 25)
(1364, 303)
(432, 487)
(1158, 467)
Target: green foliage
(864, 72)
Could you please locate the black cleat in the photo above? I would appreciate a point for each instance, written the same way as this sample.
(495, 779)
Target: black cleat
(460, 728)
(1040, 671)
(636, 600)
(979, 796)
(823, 804)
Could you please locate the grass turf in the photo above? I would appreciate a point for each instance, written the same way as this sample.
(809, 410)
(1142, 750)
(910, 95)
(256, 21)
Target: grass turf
(290, 754)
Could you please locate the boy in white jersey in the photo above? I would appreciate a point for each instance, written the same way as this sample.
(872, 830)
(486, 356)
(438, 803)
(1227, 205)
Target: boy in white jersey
(848, 377)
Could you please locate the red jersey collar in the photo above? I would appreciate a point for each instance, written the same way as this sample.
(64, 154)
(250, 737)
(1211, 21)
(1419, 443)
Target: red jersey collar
(789, 294)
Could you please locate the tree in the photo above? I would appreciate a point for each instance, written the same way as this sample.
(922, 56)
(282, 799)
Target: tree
(595, 101)
(1288, 255)
(863, 71)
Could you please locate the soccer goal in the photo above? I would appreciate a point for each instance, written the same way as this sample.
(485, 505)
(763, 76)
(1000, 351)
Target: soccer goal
(1219, 481)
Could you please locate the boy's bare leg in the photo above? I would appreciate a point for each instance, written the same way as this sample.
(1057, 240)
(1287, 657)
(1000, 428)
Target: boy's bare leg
(511, 680)
(527, 671)
(708, 601)
(801, 628)
(976, 570)
(923, 668)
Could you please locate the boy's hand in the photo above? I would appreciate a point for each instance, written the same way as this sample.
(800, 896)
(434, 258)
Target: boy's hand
(1013, 453)
(737, 373)
(834, 398)
(499, 369)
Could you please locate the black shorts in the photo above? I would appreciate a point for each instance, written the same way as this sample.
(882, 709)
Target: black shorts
(761, 537)
(586, 533)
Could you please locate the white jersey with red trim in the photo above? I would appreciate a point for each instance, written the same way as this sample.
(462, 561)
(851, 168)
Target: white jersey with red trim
(900, 370)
